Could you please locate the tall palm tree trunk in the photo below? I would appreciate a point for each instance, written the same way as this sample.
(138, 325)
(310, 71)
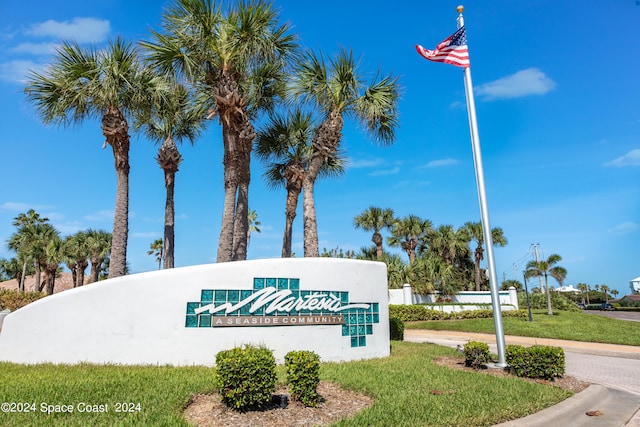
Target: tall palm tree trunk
(546, 285)
(169, 219)
(377, 240)
(243, 169)
(325, 143)
(311, 247)
(116, 131)
(95, 269)
(82, 266)
(476, 270)
(225, 242)
(293, 194)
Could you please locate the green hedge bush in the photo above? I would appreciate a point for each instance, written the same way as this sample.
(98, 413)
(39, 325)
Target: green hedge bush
(303, 376)
(537, 361)
(245, 376)
(476, 354)
(417, 312)
(396, 329)
(13, 299)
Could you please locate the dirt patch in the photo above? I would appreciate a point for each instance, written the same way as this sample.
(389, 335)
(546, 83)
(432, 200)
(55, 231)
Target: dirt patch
(336, 403)
(565, 382)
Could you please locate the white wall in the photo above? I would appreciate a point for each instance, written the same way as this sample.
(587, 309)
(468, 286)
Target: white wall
(508, 299)
(141, 318)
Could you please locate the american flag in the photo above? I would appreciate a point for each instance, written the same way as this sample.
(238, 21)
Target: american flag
(452, 51)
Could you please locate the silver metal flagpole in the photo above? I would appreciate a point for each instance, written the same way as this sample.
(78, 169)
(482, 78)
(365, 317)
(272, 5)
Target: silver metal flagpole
(484, 211)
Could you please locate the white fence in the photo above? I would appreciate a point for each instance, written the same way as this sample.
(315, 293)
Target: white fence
(466, 299)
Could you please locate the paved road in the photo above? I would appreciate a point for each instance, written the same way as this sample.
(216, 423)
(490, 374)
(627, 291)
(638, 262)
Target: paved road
(633, 316)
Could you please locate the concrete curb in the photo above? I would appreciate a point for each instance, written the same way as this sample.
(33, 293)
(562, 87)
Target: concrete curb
(616, 408)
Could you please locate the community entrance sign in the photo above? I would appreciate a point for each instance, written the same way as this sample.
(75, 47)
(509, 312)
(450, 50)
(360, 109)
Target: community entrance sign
(184, 316)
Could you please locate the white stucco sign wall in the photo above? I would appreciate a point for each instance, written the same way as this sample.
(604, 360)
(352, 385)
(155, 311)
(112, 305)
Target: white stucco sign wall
(185, 316)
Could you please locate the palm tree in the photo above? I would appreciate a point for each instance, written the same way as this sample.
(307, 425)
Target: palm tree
(99, 242)
(584, 288)
(375, 219)
(407, 233)
(30, 242)
(76, 250)
(254, 225)
(53, 255)
(604, 289)
(336, 90)
(238, 61)
(285, 146)
(447, 243)
(27, 219)
(157, 250)
(88, 83)
(474, 230)
(175, 119)
(547, 268)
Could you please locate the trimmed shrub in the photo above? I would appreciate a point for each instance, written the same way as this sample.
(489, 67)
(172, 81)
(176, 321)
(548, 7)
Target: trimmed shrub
(396, 329)
(537, 361)
(418, 312)
(13, 299)
(245, 376)
(303, 376)
(476, 354)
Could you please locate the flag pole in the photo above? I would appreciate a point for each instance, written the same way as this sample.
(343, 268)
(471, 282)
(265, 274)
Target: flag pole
(484, 211)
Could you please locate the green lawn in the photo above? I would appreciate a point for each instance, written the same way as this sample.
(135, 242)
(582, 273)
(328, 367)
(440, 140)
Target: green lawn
(400, 384)
(567, 325)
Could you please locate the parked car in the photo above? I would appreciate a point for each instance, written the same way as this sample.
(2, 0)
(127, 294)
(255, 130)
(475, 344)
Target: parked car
(606, 307)
(582, 306)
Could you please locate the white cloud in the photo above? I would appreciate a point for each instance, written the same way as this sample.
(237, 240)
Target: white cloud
(35, 48)
(385, 172)
(17, 70)
(368, 163)
(82, 30)
(527, 82)
(624, 228)
(105, 215)
(632, 158)
(441, 162)
(22, 207)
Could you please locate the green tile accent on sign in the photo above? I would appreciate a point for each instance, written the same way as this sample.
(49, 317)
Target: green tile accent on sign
(361, 330)
(244, 311)
(192, 322)
(294, 284)
(283, 283)
(353, 330)
(259, 312)
(345, 330)
(376, 318)
(362, 341)
(369, 329)
(354, 341)
(205, 321)
(368, 318)
(221, 296)
(191, 307)
(258, 283)
(271, 282)
(206, 295)
(234, 296)
(344, 297)
(360, 319)
(245, 293)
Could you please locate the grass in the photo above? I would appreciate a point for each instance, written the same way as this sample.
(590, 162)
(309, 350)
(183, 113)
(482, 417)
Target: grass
(567, 325)
(401, 385)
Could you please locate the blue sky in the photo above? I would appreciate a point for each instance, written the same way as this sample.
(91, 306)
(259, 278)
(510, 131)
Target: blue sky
(558, 105)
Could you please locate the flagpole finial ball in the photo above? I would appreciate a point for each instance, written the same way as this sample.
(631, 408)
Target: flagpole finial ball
(460, 9)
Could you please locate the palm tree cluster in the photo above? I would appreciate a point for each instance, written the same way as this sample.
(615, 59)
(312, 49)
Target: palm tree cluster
(237, 64)
(41, 250)
(440, 258)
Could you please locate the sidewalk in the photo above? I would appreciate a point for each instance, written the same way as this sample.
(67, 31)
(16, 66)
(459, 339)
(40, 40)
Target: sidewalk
(618, 408)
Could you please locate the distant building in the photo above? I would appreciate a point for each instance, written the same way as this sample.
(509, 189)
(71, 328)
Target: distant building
(635, 285)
